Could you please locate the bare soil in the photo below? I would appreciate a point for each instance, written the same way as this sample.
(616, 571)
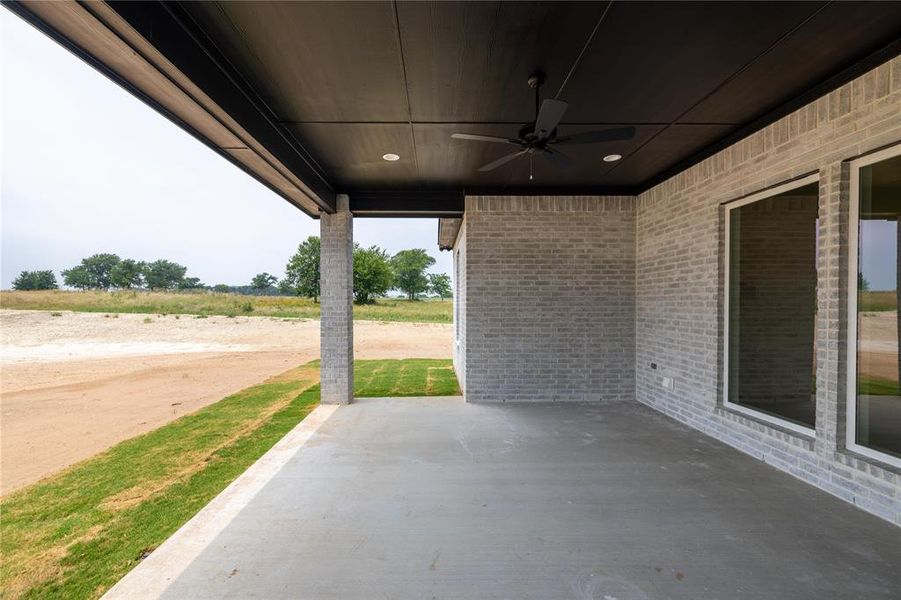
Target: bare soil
(75, 384)
(879, 345)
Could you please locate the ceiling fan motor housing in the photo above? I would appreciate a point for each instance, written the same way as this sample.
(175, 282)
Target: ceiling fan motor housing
(538, 137)
(536, 79)
(527, 133)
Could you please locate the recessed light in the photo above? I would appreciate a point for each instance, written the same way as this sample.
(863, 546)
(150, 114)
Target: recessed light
(391, 157)
(612, 157)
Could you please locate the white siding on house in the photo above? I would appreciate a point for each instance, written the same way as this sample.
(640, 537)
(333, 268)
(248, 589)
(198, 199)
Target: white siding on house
(460, 306)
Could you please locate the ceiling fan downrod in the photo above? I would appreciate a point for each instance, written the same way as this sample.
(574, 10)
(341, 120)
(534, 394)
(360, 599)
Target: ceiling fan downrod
(536, 80)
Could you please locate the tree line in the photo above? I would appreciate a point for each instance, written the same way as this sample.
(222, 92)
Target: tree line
(105, 271)
(375, 272)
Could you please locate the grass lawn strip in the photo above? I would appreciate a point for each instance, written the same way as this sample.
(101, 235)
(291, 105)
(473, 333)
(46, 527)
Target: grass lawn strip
(76, 533)
(877, 386)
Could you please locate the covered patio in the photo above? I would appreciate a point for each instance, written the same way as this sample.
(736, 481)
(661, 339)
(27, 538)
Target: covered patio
(438, 498)
(663, 218)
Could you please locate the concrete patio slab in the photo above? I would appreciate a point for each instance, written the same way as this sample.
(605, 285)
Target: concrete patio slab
(436, 498)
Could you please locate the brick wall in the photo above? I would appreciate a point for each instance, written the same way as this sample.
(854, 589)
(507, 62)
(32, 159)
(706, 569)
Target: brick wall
(573, 298)
(549, 293)
(680, 284)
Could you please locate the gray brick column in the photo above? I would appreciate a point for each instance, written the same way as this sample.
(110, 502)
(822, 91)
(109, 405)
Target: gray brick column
(832, 305)
(336, 303)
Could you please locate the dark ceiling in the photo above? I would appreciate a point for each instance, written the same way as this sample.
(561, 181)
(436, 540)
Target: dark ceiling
(354, 81)
(324, 89)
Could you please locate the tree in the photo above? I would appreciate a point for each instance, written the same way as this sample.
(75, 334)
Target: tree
(127, 274)
(96, 271)
(263, 281)
(372, 274)
(78, 277)
(409, 271)
(862, 284)
(35, 280)
(190, 283)
(285, 288)
(163, 274)
(222, 288)
(302, 272)
(440, 284)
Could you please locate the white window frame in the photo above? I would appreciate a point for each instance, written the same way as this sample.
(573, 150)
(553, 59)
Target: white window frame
(756, 414)
(853, 268)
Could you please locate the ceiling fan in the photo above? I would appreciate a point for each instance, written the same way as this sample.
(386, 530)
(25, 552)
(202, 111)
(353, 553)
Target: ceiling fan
(541, 138)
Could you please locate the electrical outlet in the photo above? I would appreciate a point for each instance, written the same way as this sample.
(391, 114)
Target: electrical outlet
(668, 383)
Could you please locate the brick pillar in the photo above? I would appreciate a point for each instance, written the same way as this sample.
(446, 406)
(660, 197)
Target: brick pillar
(832, 309)
(336, 303)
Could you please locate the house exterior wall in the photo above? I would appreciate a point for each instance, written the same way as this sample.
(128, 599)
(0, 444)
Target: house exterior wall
(549, 299)
(574, 298)
(680, 288)
(459, 251)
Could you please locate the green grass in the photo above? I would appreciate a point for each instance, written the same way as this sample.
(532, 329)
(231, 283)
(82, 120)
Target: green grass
(76, 533)
(209, 303)
(877, 301)
(412, 377)
(877, 386)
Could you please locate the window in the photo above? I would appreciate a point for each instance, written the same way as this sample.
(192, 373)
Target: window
(771, 303)
(874, 398)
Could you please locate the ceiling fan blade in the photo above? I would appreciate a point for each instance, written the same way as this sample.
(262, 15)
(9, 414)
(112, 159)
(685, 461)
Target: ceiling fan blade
(558, 158)
(549, 117)
(502, 161)
(595, 137)
(482, 138)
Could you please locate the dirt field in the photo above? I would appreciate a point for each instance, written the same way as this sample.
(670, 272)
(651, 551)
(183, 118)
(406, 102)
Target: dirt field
(879, 345)
(75, 384)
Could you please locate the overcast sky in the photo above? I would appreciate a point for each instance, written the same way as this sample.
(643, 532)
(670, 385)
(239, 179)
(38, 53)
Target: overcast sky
(88, 168)
(878, 253)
